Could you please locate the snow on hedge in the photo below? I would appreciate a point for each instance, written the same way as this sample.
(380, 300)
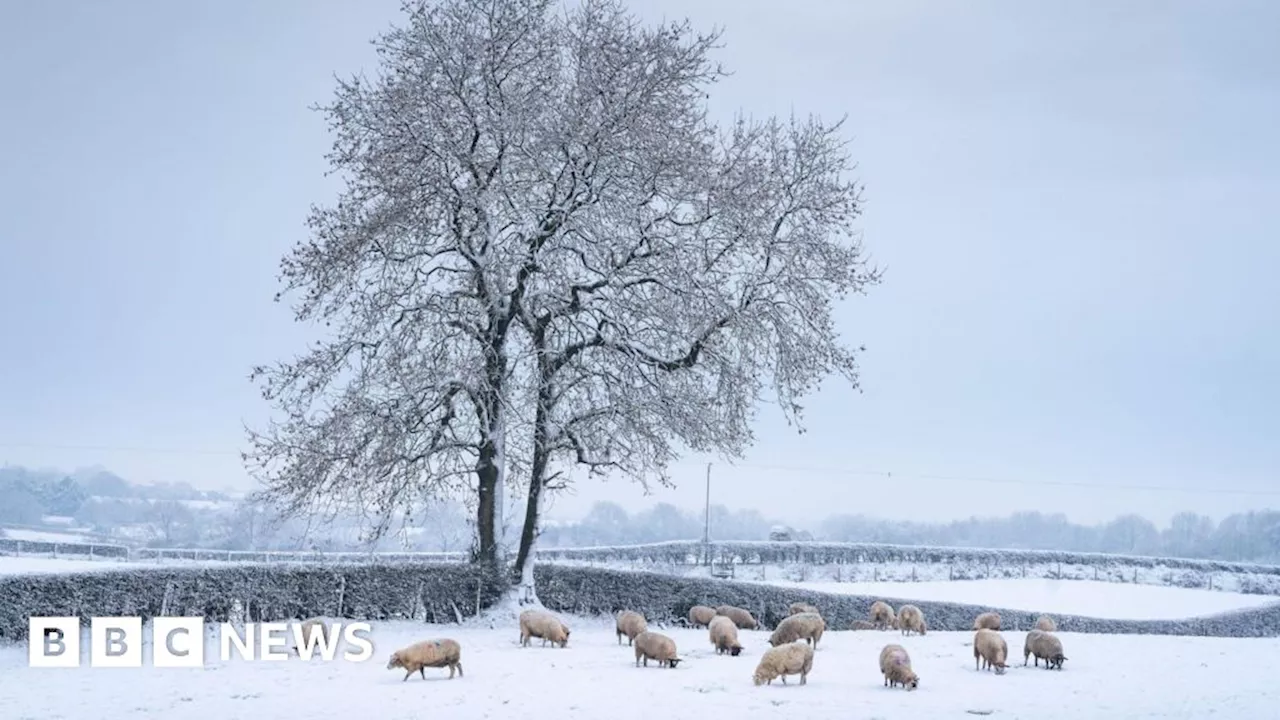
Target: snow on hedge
(254, 593)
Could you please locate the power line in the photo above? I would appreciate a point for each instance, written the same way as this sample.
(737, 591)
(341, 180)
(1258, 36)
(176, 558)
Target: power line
(1202, 489)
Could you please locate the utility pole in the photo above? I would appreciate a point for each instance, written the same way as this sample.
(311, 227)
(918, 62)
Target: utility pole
(706, 523)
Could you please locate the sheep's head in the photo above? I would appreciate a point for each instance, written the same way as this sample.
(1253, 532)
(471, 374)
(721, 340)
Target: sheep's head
(1000, 667)
(924, 629)
(735, 650)
(395, 661)
(760, 677)
(673, 662)
(912, 682)
(1057, 660)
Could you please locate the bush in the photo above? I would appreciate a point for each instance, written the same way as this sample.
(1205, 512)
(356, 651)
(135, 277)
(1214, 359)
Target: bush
(265, 593)
(666, 599)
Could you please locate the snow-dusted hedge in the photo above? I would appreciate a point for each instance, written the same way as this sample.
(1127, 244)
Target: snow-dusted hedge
(687, 552)
(258, 593)
(667, 599)
(9, 546)
(293, 556)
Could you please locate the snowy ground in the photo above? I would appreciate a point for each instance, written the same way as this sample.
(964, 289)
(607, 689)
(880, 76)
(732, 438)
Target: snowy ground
(49, 536)
(1068, 597)
(1118, 677)
(19, 564)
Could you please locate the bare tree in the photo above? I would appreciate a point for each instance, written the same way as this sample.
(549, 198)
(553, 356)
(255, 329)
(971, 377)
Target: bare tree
(464, 161)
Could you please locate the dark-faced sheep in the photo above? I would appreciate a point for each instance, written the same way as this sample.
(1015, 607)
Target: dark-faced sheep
(790, 659)
(987, 621)
(895, 665)
(700, 615)
(743, 619)
(990, 651)
(428, 654)
(805, 626)
(655, 646)
(1046, 624)
(543, 625)
(800, 607)
(911, 620)
(1045, 646)
(631, 624)
(881, 615)
(724, 636)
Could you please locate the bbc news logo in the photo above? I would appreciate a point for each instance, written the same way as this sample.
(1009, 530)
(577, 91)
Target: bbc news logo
(179, 642)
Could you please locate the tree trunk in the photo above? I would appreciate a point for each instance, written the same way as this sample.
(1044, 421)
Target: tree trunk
(523, 570)
(490, 465)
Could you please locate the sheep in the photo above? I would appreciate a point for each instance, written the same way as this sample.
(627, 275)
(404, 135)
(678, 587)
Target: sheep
(895, 665)
(910, 620)
(800, 607)
(987, 621)
(724, 635)
(631, 624)
(783, 660)
(862, 625)
(1045, 646)
(418, 657)
(700, 615)
(1046, 624)
(655, 646)
(882, 616)
(808, 626)
(990, 650)
(544, 625)
(310, 627)
(743, 619)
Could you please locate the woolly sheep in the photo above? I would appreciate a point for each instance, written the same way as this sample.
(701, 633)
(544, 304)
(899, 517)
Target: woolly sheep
(910, 620)
(700, 615)
(799, 607)
(789, 659)
(740, 617)
(428, 654)
(882, 616)
(310, 627)
(987, 621)
(544, 625)
(806, 626)
(1045, 646)
(724, 635)
(631, 624)
(655, 646)
(1046, 624)
(990, 650)
(862, 625)
(895, 665)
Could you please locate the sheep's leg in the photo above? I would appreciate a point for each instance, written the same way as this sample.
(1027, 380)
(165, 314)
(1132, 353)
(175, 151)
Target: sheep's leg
(784, 679)
(406, 676)
(804, 678)
(423, 672)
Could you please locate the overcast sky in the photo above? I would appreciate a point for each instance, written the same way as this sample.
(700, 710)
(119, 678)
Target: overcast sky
(1074, 203)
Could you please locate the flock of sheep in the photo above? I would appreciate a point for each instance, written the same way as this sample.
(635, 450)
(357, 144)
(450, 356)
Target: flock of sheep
(787, 654)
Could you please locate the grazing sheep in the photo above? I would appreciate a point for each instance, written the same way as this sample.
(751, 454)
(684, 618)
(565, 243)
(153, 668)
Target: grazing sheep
(544, 625)
(1045, 646)
(910, 620)
(743, 619)
(990, 649)
(895, 665)
(987, 621)
(1046, 624)
(724, 635)
(655, 646)
(631, 624)
(700, 615)
(806, 626)
(799, 607)
(790, 659)
(882, 616)
(310, 627)
(428, 654)
(862, 625)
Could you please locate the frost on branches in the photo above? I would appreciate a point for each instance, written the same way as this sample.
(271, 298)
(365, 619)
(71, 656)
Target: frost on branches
(546, 255)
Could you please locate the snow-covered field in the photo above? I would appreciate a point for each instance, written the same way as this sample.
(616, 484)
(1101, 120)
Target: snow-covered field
(1088, 598)
(47, 536)
(1118, 677)
(20, 564)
